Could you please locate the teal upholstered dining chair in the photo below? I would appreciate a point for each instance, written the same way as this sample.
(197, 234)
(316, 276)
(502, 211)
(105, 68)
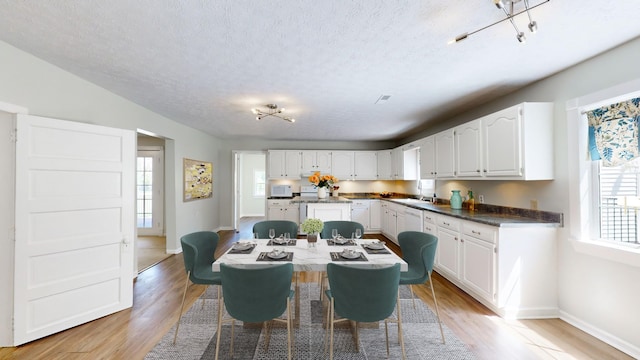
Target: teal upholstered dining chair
(345, 228)
(419, 251)
(198, 251)
(280, 226)
(256, 295)
(363, 295)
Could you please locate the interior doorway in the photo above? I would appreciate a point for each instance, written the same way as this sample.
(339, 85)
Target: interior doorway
(151, 242)
(249, 182)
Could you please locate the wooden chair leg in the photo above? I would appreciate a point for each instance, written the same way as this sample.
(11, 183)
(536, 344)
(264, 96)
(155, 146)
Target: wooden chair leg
(220, 303)
(413, 300)
(289, 328)
(331, 333)
(433, 293)
(400, 335)
(184, 293)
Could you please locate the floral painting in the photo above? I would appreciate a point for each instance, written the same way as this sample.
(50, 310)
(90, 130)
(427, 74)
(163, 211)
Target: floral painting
(198, 179)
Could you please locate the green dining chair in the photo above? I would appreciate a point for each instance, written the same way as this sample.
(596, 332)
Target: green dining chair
(363, 295)
(198, 251)
(419, 251)
(256, 295)
(345, 228)
(280, 226)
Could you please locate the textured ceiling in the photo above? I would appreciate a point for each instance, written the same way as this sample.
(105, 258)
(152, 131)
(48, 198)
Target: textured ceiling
(207, 63)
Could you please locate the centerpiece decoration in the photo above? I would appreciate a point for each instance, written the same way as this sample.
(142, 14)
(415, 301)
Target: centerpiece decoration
(322, 183)
(312, 227)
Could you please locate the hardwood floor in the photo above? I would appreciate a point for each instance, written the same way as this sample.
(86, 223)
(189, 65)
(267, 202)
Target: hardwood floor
(131, 333)
(150, 251)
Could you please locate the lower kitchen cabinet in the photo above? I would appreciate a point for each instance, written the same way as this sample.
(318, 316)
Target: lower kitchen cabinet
(367, 213)
(511, 270)
(283, 210)
(329, 211)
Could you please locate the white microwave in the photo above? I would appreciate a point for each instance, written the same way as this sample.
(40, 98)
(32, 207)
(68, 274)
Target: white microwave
(281, 191)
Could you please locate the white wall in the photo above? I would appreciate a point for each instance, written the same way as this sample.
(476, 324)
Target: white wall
(251, 205)
(7, 164)
(597, 295)
(49, 91)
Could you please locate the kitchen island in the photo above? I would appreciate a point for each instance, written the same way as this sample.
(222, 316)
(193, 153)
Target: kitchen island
(326, 209)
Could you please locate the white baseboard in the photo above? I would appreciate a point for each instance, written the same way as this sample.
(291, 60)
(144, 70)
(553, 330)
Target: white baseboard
(616, 342)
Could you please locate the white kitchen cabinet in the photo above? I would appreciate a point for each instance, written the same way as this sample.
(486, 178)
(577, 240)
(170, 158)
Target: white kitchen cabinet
(477, 252)
(316, 160)
(429, 223)
(448, 261)
(468, 150)
(428, 158)
(397, 163)
(365, 165)
(445, 158)
(404, 161)
(360, 212)
(518, 142)
(389, 223)
(385, 165)
(283, 210)
(284, 164)
(375, 215)
(329, 211)
(511, 270)
(342, 164)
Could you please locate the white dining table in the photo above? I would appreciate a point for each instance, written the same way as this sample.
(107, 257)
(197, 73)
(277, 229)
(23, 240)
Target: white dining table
(307, 258)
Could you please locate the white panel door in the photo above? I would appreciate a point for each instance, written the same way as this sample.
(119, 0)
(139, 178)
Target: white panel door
(75, 224)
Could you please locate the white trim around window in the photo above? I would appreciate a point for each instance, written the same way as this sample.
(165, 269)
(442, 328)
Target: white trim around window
(581, 202)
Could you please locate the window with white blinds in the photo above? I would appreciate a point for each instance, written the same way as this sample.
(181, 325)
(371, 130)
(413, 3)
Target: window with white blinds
(619, 202)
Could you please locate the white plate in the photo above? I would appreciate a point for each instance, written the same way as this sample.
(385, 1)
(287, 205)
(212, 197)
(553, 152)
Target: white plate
(242, 246)
(278, 255)
(353, 255)
(279, 241)
(375, 246)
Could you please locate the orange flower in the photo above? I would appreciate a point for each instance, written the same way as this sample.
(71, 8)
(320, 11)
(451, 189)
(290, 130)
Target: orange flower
(322, 180)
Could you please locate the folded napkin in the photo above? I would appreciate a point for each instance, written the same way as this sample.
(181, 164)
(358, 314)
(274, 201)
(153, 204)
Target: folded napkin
(335, 256)
(242, 251)
(291, 242)
(263, 257)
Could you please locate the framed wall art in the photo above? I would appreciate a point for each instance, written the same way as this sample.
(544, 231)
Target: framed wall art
(198, 179)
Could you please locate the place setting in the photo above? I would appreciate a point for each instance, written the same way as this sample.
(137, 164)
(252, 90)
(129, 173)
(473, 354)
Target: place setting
(348, 255)
(275, 255)
(339, 240)
(375, 247)
(242, 247)
(282, 240)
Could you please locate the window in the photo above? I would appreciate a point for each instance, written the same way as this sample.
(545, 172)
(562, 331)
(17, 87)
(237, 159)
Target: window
(144, 181)
(259, 183)
(619, 202)
(583, 218)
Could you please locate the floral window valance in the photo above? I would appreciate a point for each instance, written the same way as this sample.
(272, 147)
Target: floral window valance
(613, 132)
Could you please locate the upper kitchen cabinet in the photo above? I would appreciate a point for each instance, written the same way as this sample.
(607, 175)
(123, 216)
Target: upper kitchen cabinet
(518, 142)
(313, 160)
(342, 164)
(284, 164)
(428, 158)
(468, 149)
(365, 165)
(445, 150)
(385, 167)
(404, 162)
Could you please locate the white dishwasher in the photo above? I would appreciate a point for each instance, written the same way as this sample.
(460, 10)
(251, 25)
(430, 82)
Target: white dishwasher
(412, 219)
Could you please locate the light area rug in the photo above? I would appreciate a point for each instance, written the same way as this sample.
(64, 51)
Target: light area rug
(197, 335)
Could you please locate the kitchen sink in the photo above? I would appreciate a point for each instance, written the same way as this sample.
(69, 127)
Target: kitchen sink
(411, 201)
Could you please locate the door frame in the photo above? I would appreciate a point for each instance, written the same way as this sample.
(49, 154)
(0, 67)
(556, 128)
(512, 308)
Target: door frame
(236, 164)
(158, 201)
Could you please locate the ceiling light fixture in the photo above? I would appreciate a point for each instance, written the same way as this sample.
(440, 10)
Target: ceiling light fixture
(510, 15)
(272, 110)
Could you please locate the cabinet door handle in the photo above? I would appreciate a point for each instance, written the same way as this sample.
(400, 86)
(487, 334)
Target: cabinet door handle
(461, 240)
(475, 232)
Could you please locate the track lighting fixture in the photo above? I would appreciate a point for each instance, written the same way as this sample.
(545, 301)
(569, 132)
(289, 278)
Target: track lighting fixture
(508, 7)
(272, 110)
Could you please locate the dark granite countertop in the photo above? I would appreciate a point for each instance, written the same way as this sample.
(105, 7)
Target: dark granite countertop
(327, 200)
(501, 216)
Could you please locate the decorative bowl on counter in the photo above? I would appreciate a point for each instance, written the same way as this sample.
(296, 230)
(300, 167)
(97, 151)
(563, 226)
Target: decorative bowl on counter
(386, 194)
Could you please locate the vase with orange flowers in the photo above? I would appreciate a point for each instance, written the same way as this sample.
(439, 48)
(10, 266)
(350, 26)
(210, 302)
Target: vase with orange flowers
(322, 183)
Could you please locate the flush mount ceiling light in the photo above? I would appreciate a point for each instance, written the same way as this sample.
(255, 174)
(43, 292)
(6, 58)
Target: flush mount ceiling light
(272, 110)
(511, 13)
